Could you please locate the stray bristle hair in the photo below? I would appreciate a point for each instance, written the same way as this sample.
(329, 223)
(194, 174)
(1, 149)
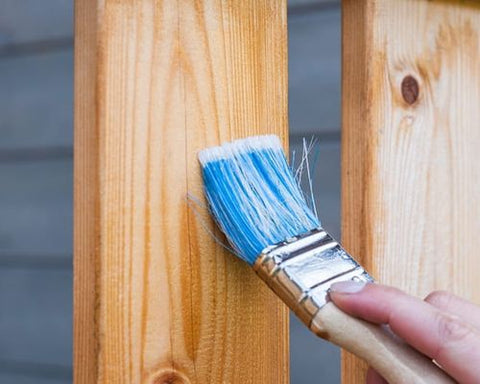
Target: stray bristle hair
(253, 195)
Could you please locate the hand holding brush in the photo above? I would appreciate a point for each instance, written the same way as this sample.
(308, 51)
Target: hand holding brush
(257, 203)
(444, 327)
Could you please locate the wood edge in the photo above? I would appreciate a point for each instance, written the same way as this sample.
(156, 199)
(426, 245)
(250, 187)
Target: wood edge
(357, 156)
(86, 193)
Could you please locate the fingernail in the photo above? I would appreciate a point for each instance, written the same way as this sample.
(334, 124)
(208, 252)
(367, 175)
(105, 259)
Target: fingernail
(347, 287)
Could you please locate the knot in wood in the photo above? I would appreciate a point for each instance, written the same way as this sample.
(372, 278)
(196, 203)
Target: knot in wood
(410, 89)
(170, 377)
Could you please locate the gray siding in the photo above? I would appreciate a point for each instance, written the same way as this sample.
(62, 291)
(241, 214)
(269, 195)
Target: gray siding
(35, 322)
(33, 21)
(36, 208)
(36, 97)
(314, 72)
(314, 31)
(36, 100)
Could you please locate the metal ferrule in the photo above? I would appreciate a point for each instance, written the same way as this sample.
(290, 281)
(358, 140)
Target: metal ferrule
(301, 270)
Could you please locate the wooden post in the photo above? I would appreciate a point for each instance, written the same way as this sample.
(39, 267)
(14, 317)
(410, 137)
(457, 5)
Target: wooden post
(156, 300)
(410, 145)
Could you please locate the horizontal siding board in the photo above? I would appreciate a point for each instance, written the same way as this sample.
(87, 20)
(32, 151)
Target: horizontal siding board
(36, 316)
(36, 207)
(314, 72)
(26, 378)
(36, 100)
(35, 20)
(311, 3)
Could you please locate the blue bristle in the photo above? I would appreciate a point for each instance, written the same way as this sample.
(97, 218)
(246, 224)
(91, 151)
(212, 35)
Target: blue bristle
(253, 194)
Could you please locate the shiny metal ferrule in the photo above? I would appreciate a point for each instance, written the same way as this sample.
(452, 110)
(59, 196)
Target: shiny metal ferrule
(301, 270)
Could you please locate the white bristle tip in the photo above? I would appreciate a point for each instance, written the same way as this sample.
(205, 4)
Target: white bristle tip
(256, 143)
(211, 154)
(228, 149)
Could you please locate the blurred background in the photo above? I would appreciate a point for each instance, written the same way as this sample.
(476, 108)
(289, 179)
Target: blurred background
(36, 152)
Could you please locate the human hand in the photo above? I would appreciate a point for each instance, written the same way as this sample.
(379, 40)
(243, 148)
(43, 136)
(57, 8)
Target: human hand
(444, 327)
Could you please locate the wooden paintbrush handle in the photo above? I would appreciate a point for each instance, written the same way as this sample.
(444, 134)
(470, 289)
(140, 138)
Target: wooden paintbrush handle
(397, 362)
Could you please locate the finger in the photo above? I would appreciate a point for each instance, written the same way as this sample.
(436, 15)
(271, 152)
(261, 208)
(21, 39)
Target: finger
(450, 303)
(444, 337)
(374, 378)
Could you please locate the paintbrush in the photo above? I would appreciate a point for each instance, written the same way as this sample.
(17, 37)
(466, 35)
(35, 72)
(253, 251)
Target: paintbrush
(257, 203)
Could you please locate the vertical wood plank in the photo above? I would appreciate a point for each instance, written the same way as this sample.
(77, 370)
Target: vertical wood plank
(156, 300)
(410, 139)
(86, 199)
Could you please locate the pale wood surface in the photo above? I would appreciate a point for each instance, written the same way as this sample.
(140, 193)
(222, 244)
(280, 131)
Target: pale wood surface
(156, 300)
(410, 178)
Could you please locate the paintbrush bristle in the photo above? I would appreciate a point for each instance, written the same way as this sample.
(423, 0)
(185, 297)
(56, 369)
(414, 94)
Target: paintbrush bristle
(253, 195)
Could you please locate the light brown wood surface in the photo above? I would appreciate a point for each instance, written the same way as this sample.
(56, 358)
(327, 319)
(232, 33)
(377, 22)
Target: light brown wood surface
(156, 300)
(410, 174)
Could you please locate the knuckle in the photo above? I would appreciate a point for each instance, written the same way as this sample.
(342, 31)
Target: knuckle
(439, 298)
(385, 290)
(452, 332)
(454, 336)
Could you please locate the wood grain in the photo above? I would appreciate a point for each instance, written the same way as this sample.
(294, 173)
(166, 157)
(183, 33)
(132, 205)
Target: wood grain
(410, 179)
(156, 300)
